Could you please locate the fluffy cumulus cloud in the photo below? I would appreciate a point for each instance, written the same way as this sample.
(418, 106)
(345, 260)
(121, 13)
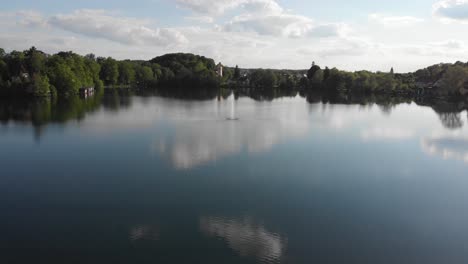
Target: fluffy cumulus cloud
(394, 21)
(31, 18)
(283, 24)
(338, 47)
(26, 18)
(97, 24)
(207, 6)
(200, 19)
(103, 24)
(451, 10)
(264, 17)
(216, 8)
(251, 33)
(449, 48)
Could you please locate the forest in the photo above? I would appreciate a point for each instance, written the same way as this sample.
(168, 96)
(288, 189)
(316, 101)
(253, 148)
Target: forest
(439, 80)
(37, 74)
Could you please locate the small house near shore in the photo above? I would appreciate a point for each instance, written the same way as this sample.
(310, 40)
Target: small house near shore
(86, 91)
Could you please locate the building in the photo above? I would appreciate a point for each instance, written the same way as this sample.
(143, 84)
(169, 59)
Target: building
(219, 69)
(86, 91)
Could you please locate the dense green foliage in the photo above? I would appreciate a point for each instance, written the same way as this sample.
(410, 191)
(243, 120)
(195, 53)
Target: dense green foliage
(437, 80)
(186, 70)
(35, 73)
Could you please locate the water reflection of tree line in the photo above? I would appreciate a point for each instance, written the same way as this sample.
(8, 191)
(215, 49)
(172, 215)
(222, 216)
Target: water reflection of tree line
(42, 111)
(39, 112)
(448, 112)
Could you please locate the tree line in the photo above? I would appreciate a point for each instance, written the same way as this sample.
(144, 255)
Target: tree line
(444, 79)
(35, 73)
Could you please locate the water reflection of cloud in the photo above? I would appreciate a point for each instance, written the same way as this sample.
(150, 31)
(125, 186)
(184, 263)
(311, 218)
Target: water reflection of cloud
(261, 125)
(193, 133)
(245, 237)
(447, 146)
(143, 232)
(389, 133)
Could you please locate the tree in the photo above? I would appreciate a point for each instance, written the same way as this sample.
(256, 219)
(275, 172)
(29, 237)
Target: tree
(94, 70)
(335, 80)
(326, 73)
(109, 71)
(126, 73)
(236, 73)
(317, 79)
(311, 72)
(364, 81)
(64, 80)
(90, 56)
(167, 74)
(16, 63)
(35, 61)
(385, 82)
(177, 61)
(40, 85)
(144, 75)
(454, 79)
(3, 70)
(263, 78)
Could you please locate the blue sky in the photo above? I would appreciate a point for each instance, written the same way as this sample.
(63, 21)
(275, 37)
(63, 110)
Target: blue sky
(350, 35)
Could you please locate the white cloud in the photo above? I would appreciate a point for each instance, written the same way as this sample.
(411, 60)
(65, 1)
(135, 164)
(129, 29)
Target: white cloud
(284, 25)
(31, 18)
(448, 48)
(251, 33)
(208, 6)
(394, 21)
(451, 10)
(263, 7)
(219, 7)
(26, 18)
(200, 19)
(276, 25)
(103, 24)
(338, 47)
(264, 17)
(450, 44)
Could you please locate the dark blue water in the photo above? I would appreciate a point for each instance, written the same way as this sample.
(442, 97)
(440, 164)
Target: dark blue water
(158, 180)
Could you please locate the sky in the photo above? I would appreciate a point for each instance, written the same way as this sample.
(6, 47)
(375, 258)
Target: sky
(350, 35)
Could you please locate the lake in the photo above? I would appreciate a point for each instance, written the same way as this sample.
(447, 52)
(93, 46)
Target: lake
(149, 179)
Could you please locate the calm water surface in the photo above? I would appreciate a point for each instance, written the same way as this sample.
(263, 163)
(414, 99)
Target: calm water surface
(158, 180)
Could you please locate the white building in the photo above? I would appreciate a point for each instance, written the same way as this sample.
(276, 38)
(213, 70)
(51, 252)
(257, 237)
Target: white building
(219, 69)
